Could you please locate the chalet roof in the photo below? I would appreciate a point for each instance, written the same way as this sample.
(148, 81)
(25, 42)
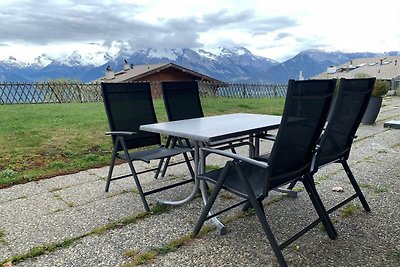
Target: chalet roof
(386, 68)
(137, 72)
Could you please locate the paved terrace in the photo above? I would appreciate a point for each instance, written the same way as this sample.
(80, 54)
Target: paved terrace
(70, 221)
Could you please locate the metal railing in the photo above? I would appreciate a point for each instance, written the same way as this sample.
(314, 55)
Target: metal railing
(56, 92)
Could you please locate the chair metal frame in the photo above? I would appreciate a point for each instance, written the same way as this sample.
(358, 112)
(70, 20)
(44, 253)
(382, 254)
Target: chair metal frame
(252, 179)
(124, 130)
(359, 89)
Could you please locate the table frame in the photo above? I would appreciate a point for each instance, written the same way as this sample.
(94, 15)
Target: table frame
(210, 129)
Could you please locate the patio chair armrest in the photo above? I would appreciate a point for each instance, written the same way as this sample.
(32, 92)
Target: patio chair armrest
(231, 155)
(123, 133)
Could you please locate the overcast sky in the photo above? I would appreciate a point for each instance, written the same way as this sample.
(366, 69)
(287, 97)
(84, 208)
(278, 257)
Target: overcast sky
(275, 29)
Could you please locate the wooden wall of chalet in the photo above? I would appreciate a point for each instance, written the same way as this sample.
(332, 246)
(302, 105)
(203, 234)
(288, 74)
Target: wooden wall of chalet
(169, 74)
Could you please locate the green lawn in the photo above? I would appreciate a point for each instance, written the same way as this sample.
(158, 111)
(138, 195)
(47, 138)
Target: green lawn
(44, 140)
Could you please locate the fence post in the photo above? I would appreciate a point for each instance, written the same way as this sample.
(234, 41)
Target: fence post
(54, 93)
(2, 86)
(78, 87)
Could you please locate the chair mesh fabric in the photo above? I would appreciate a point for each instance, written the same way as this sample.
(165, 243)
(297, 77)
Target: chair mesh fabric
(129, 105)
(351, 103)
(306, 108)
(182, 100)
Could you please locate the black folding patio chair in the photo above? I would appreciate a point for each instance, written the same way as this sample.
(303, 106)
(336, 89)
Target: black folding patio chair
(129, 105)
(336, 141)
(306, 108)
(182, 101)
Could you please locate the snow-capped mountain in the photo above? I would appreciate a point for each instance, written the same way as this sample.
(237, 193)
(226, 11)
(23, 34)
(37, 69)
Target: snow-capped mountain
(42, 61)
(227, 64)
(236, 64)
(312, 62)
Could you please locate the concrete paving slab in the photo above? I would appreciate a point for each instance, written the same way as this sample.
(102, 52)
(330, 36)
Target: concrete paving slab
(55, 227)
(64, 181)
(82, 193)
(5, 252)
(20, 191)
(25, 209)
(110, 209)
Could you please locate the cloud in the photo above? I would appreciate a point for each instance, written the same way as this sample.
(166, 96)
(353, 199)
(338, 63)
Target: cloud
(223, 18)
(246, 21)
(263, 27)
(42, 22)
(39, 22)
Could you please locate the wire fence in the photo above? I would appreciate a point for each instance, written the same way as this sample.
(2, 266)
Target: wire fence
(67, 92)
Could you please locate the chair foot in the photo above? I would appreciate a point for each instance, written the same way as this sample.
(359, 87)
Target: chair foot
(222, 230)
(107, 187)
(291, 193)
(246, 206)
(319, 207)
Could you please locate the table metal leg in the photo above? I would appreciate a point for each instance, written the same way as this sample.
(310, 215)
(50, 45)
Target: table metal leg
(256, 146)
(221, 229)
(183, 201)
(195, 187)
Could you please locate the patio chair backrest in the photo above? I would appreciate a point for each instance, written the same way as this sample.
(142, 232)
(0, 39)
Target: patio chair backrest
(351, 102)
(182, 100)
(129, 105)
(306, 108)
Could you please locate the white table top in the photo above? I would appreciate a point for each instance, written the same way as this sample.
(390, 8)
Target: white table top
(214, 128)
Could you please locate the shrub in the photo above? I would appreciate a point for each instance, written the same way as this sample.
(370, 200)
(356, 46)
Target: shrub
(381, 88)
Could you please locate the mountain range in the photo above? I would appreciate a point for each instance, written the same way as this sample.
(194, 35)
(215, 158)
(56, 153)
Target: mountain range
(225, 64)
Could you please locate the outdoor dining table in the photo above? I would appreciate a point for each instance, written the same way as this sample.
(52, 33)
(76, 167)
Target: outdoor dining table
(205, 130)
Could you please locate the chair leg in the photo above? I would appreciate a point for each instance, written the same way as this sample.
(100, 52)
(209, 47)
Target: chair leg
(292, 185)
(211, 199)
(160, 164)
(190, 168)
(112, 163)
(163, 162)
(138, 186)
(233, 149)
(185, 155)
(319, 206)
(110, 171)
(167, 160)
(257, 206)
(246, 206)
(135, 178)
(355, 186)
(207, 208)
